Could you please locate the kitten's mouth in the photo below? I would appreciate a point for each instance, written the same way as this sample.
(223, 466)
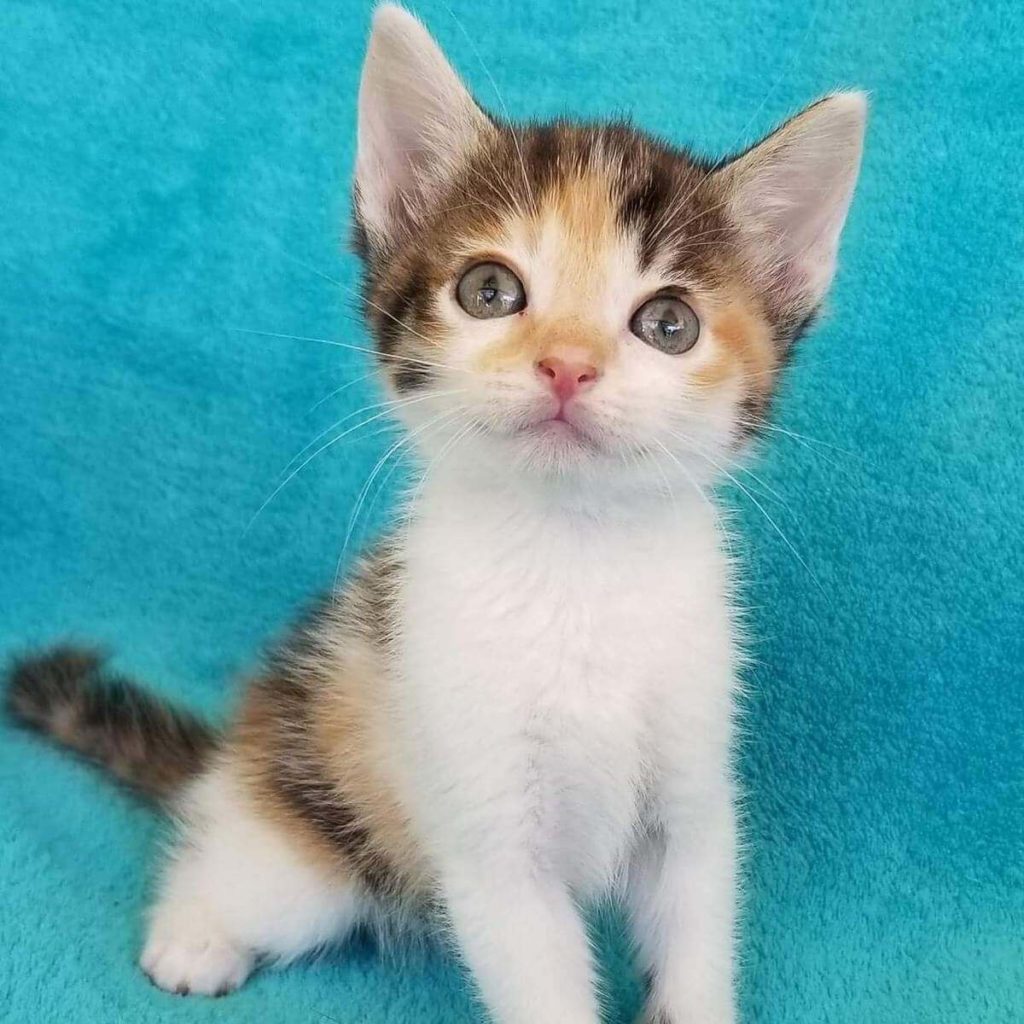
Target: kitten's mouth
(563, 429)
(557, 425)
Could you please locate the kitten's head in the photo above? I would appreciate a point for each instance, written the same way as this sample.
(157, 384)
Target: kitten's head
(584, 301)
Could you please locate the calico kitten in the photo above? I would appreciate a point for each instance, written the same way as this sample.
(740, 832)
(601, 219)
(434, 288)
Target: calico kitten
(521, 701)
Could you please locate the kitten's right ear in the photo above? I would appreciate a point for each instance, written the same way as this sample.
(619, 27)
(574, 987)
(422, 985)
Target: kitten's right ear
(416, 122)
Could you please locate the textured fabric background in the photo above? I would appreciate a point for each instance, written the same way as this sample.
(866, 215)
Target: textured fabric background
(173, 171)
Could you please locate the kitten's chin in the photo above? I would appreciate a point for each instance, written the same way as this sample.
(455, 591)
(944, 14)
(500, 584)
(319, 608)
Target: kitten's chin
(555, 447)
(538, 447)
(557, 460)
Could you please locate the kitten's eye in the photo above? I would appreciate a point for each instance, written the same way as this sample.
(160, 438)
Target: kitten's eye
(489, 290)
(666, 323)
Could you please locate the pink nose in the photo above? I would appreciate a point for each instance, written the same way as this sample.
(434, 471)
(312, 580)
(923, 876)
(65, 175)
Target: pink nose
(565, 376)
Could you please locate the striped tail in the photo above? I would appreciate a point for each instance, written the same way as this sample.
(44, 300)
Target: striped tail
(67, 695)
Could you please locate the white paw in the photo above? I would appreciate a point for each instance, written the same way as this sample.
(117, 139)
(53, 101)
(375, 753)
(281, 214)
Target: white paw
(189, 963)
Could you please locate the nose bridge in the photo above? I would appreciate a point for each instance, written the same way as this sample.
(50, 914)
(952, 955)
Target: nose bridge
(574, 342)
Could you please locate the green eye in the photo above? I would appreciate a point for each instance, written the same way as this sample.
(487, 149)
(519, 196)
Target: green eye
(667, 324)
(490, 290)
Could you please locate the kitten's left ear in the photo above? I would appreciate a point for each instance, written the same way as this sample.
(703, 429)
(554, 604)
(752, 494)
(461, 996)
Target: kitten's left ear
(416, 121)
(790, 193)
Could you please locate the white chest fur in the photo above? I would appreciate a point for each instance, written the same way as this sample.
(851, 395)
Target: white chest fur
(551, 661)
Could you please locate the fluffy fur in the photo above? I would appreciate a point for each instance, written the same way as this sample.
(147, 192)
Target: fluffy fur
(521, 702)
(150, 747)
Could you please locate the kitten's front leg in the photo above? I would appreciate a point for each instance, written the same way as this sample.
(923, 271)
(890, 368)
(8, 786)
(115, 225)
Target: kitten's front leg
(682, 904)
(524, 941)
(511, 914)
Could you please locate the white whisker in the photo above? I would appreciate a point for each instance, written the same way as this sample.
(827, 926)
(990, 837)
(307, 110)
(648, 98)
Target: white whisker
(775, 526)
(339, 390)
(383, 357)
(406, 439)
(389, 404)
(328, 444)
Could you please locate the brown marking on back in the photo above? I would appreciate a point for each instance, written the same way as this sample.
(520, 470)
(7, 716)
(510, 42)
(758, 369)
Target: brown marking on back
(355, 739)
(256, 736)
(311, 742)
(346, 742)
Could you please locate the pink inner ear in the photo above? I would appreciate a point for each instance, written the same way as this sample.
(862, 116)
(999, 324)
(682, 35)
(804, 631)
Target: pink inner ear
(415, 119)
(792, 191)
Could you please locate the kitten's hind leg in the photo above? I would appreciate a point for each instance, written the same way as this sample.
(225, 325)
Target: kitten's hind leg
(238, 889)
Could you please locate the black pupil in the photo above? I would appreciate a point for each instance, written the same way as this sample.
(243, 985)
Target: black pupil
(488, 293)
(668, 328)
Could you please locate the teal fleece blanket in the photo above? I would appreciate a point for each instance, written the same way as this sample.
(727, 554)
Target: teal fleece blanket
(175, 174)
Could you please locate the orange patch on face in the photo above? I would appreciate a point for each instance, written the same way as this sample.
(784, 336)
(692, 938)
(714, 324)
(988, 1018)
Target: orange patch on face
(584, 209)
(576, 228)
(745, 348)
(530, 340)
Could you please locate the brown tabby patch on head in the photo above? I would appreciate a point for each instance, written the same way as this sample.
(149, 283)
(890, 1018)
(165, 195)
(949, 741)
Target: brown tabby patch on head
(604, 184)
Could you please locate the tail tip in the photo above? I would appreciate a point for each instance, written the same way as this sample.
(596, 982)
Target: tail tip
(40, 685)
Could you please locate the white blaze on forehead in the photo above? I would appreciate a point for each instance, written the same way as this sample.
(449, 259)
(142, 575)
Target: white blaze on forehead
(576, 260)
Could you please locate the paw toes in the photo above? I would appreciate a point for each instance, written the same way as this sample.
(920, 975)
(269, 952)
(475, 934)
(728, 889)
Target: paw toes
(186, 966)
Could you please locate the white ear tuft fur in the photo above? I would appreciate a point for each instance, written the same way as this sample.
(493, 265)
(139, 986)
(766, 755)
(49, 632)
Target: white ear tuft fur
(792, 191)
(416, 119)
